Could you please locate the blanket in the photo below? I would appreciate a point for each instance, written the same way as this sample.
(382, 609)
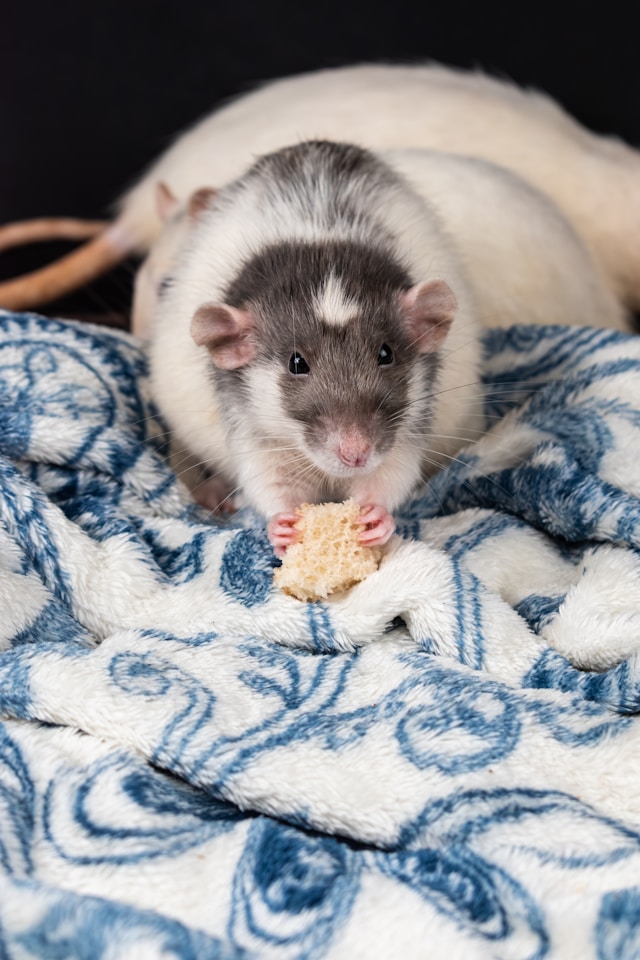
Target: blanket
(443, 762)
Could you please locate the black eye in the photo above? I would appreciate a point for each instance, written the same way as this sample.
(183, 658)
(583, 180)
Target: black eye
(385, 355)
(164, 285)
(297, 364)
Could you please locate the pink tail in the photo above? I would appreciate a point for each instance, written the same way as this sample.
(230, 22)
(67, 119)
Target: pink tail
(100, 254)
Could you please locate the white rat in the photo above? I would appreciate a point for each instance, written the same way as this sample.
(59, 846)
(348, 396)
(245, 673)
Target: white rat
(593, 180)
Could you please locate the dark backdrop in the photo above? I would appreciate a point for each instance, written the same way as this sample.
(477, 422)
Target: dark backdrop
(92, 91)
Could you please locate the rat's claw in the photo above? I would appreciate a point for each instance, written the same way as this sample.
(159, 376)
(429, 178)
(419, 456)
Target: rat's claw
(378, 523)
(281, 532)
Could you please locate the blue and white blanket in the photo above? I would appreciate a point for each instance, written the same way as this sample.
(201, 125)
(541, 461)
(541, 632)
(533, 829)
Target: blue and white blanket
(442, 763)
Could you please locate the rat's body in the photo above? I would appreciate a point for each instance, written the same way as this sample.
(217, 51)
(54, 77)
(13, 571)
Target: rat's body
(317, 312)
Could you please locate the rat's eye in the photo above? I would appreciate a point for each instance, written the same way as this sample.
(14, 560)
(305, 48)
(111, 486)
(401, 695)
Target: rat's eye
(297, 364)
(164, 285)
(385, 356)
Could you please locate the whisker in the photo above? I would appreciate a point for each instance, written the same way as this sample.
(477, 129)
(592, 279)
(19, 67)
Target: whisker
(465, 480)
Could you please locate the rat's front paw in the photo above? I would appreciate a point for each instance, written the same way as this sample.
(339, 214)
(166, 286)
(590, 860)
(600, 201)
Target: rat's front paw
(378, 524)
(281, 532)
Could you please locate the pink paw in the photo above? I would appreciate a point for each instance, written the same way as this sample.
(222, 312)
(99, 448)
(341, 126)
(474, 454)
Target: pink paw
(378, 523)
(281, 532)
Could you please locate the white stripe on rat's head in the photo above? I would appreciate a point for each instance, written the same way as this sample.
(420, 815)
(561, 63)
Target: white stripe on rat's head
(332, 304)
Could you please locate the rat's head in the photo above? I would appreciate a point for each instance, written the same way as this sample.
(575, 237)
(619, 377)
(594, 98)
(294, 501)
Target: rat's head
(330, 346)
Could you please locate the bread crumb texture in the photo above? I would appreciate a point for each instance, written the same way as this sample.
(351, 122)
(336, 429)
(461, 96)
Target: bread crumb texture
(328, 557)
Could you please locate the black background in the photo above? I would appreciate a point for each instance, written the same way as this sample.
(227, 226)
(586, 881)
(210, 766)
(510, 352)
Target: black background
(91, 92)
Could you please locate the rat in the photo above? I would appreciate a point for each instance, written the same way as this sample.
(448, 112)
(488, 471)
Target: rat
(318, 314)
(593, 180)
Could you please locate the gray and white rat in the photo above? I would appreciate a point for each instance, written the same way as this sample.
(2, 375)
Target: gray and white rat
(317, 316)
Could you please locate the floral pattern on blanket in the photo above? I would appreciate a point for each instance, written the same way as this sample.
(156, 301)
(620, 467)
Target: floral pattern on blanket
(442, 762)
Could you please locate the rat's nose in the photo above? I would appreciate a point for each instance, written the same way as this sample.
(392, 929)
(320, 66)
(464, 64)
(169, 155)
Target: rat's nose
(354, 449)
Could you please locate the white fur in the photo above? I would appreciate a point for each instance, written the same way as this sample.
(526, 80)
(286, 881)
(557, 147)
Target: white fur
(525, 261)
(332, 304)
(156, 267)
(264, 442)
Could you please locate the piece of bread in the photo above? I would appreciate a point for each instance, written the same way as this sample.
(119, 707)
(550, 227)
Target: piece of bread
(328, 557)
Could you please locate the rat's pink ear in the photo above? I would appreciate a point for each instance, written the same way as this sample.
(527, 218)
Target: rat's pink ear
(199, 201)
(226, 333)
(166, 201)
(428, 309)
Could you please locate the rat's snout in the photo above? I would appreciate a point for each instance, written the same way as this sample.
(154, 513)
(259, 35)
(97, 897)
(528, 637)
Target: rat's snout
(353, 448)
(343, 449)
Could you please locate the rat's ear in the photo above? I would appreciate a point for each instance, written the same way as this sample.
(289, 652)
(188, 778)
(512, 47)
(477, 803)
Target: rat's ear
(428, 310)
(200, 201)
(226, 333)
(166, 201)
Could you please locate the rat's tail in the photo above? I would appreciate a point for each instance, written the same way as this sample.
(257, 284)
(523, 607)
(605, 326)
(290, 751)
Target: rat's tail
(47, 228)
(108, 246)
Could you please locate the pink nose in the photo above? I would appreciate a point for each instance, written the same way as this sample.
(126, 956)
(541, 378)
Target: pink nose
(354, 450)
